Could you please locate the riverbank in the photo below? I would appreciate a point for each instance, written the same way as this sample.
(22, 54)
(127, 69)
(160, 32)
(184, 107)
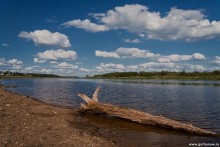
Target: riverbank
(26, 122)
(162, 75)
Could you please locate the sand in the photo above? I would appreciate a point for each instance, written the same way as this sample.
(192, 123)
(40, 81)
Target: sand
(27, 122)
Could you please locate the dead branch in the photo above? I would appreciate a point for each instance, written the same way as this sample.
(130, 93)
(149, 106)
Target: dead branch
(138, 116)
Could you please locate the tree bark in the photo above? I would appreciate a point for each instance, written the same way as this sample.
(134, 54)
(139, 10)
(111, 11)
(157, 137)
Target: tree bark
(141, 117)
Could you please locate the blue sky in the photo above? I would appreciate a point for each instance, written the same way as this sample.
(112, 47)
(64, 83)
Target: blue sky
(90, 37)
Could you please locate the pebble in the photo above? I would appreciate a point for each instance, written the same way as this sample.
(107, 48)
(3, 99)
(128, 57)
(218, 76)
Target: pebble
(0, 109)
(7, 105)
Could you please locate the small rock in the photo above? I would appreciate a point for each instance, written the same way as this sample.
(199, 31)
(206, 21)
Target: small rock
(7, 105)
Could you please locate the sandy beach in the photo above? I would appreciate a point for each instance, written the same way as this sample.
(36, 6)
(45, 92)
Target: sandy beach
(27, 122)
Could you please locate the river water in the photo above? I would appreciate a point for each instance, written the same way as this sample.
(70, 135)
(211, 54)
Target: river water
(197, 102)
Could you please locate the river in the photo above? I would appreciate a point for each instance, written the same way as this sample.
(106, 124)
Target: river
(197, 102)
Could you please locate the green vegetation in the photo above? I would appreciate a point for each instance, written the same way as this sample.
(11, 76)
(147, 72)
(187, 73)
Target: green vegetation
(8, 74)
(213, 75)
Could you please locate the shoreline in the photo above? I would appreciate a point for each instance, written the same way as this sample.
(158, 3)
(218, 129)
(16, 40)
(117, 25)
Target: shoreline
(25, 121)
(191, 78)
(28, 122)
(161, 78)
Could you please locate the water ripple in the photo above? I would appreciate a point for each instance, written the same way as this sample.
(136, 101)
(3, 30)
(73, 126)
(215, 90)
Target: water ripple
(186, 101)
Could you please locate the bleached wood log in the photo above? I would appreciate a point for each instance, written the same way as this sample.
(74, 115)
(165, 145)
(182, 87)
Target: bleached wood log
(138, 116)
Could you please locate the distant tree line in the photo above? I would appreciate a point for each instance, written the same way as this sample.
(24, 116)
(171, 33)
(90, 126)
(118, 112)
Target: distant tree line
(14, 74)
(162, 74)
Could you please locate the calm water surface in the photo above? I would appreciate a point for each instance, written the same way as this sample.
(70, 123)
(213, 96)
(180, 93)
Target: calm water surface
(196, 101)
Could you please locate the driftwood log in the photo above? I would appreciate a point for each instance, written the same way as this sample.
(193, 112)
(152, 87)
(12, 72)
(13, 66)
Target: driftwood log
(138, 116)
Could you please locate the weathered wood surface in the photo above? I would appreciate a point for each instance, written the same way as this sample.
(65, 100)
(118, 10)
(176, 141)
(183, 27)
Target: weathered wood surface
(141, 117)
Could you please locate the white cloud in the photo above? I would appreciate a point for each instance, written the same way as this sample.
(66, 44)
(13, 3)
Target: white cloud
(15, 62)
(42, 61)
(36, 60)
(85, 70)
(178, 24)
(190, 67)
(134, 53)
(45, 37)
(53, 62)
(134, 68)
(29, 68)
(216, 61)
(148, 66)
(171, 66)
(12, 64)
(175, 25)
(59, 54)
(86, 25)
(110, 67)
(176, 57)
(65, 65)
(138, 53)
(2, 62)
(142, 35)
(17, 67)
(132, 40)
(156, 65)
(106, 54)
(198, 56)
(47, 71)
(126, 53)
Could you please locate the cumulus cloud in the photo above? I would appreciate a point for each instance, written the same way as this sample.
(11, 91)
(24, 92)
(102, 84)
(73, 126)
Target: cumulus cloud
(59, 54)
(175, 25)
(45, 37)
(11, 64)
(198, 56)
(134, 53)
(86, 25)
(53, 62)
(156, 65)
(46, 71)
(106, 54)
(190, 67)
(126, 53)
(216, 61)
(110, 67)
(138, 53)
(176, 57)
(66, 65)
(36, 60)
(85, 70)
(149, 66)
(2, 62)
(132, 40)
(15, 62)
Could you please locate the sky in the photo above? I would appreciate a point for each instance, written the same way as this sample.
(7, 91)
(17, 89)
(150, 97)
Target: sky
(79, 38)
